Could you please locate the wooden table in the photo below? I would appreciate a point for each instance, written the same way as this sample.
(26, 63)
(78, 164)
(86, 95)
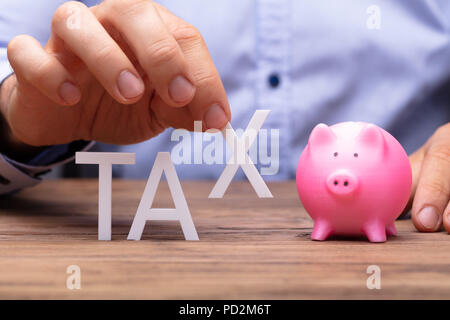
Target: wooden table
(250, 248)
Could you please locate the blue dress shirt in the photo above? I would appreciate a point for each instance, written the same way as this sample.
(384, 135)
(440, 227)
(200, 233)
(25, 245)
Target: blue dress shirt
(306, 61)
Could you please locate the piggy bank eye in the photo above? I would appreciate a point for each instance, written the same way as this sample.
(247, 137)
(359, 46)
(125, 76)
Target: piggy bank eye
(335, 154)
(356, 155)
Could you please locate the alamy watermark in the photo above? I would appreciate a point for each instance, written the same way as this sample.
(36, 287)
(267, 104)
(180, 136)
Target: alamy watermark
(73, 281)
(252, 146)
(74, 20)
(374, 280)
(374, 20)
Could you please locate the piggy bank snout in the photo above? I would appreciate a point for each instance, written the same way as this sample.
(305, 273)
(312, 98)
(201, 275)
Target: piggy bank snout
(342, 183)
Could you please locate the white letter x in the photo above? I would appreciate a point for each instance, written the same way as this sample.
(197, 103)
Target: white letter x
(240, 148)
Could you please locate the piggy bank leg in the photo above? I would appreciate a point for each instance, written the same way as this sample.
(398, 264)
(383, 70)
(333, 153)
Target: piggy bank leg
(391, 230)
(321, 231)
(375, 231)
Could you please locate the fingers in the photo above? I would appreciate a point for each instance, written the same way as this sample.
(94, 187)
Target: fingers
(416, 160)
(210, 103)
(155, 48)
(433, 188)
(32, 64)
(83, 34)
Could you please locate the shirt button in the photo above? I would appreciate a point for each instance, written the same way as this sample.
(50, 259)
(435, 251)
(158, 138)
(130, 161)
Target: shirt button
(274, 80)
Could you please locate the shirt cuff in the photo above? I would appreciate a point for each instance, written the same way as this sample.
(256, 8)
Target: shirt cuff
(15, 175)
(5, 67)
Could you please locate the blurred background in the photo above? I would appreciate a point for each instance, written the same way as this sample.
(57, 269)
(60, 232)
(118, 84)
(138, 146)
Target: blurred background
(384, 62)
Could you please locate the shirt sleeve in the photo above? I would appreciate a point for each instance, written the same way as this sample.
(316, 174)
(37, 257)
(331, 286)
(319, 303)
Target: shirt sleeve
(15, 175)
(5, 68)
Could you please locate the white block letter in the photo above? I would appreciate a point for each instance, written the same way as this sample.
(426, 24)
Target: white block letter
(105, 160)
(240, 147)
(145, 212)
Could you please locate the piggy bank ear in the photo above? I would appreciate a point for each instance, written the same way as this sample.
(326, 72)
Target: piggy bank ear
(371, 136)
(321, 135)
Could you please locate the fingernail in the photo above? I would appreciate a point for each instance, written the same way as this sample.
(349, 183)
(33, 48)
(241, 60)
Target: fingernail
(428, 217)
(181, 90)
(215, 117)
(69, 93)
(129, 85)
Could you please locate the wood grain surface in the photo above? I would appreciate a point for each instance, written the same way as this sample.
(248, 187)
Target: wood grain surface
(249, 248)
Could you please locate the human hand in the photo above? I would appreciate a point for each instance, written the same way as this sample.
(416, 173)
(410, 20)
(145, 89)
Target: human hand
(430, 195)
(120, 72)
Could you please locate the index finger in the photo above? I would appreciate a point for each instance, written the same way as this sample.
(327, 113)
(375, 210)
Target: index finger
(154, 47)
(89, 41)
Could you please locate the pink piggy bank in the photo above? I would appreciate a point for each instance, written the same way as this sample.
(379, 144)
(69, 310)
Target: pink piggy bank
(353, 178)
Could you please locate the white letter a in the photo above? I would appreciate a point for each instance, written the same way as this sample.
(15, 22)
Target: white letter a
(145, 212)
